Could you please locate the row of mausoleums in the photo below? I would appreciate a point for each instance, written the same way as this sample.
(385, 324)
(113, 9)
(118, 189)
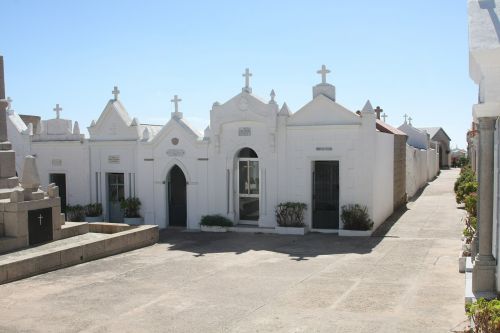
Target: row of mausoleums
(253, 156)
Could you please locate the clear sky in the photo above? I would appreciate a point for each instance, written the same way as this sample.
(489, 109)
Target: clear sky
(406, 56)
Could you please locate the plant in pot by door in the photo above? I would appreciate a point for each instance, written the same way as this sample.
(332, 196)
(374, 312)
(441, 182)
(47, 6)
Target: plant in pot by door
(356, 221)
(131, 207)
(290, 218)
(93, 213)
(215, 223)
(75, 213)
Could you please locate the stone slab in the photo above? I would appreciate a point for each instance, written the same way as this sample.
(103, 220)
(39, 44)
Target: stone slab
(72, 251)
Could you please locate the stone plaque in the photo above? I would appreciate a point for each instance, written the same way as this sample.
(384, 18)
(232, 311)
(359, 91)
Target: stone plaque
(324, 148)
(175, 152)
(244, 131)
(56, 162)
(114, 159)
(40, 226)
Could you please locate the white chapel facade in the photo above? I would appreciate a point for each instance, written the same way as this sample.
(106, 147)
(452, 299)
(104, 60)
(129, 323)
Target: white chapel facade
(254, 155)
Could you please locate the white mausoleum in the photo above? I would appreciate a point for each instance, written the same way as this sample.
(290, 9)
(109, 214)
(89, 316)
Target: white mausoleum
(254, 155)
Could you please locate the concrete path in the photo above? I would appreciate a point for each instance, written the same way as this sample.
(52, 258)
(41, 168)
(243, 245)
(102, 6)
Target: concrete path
(405, 281)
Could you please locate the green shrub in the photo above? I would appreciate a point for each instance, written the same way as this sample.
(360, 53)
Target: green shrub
(470, 228)
(355, 217)
(471, 204)
(216, 220)
(75, 213)
(290, 214)
(93, 210)
(485, 315)
(464, 189)
(131, 207)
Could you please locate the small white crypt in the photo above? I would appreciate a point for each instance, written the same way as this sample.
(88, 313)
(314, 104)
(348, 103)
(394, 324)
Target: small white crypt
(254, 155)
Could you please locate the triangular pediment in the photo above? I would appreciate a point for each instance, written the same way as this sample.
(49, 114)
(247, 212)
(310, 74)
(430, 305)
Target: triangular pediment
(323, 111)
(243, 107)
(176, 124)
(114, 124)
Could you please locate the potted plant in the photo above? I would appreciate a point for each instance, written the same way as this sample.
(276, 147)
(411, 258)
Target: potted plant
(93, 212)
(75, 213)
(290, 218)
(356, 221)
(215, 223)
(131, 207)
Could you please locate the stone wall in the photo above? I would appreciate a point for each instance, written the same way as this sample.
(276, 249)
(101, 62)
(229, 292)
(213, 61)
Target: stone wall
(399, 192)
(421, 166)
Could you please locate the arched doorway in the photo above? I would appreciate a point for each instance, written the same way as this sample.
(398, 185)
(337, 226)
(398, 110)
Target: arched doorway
(248, 186)
(176, 196)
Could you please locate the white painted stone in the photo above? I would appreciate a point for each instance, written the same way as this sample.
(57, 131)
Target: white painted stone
(30, 179)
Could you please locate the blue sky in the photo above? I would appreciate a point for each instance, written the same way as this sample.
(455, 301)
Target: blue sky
(408, 57)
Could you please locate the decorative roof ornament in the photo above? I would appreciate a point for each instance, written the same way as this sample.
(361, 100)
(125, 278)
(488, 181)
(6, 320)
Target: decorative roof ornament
(92, 124)
(145, 134)
(176, 113)
(135, 122)
(378, 111)
(409, 121)
(384, 116)
(115, 92)
(273, 95)
(284, 110)
(76, 128)
(9, 104)
(247, 76)
(406, 116)
(368, 108)
(58, 110)
(323, 71)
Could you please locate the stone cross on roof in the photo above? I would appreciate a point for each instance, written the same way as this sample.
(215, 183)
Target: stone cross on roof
(58, 110)
(406, 116)
(116, 92)
(323, 71)
(384, 116)
(176, 101)
(378, 111)
(247, 75)
(409, 121)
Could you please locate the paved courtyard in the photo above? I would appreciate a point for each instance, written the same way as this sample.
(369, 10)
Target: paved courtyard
(403, 280)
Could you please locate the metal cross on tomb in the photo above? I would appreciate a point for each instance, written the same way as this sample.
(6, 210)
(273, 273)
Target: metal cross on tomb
(40, 218)
(409, 120)
(176, 101)
(58, 110)
(384, 116)
(116, 92)
(406, 116)
(323, 71)
(247, 75)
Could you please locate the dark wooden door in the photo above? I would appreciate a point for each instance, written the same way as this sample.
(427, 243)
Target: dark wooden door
(116, 192)
(325, 195)
(40, 226)
(60, 180)
(177, 200)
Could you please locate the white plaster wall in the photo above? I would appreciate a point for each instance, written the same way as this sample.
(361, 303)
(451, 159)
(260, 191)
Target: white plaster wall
(496, 202)
(74, 157)
(351, 145)
(21, 142)
(432, 164)
(416, 170)
(383, 178)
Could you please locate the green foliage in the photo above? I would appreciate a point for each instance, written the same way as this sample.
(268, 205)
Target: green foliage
(470, 228)
(93, 210)
(355, 217)
(465, 189)
(485, 315)
(75, 213)
(471, 204)
(216, 220)
(465, 184)
(131, 207)
(290, 214)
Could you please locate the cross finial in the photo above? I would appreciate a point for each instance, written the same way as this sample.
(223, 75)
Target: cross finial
(378, 111)
(58, 110)
(9, 103)
(176, 101)
(384, 116)
(323, 71)
(116, 92)
(247, 75)
(409, 121)
(406, 116)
